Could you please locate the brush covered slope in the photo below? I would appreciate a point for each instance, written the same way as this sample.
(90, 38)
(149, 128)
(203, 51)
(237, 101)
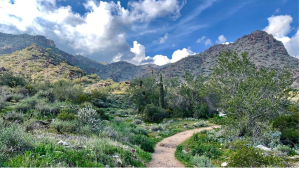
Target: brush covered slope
(39, 64)
(10, 43)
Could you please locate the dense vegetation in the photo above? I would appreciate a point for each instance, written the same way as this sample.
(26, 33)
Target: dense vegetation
(79, 120)
(258, 113)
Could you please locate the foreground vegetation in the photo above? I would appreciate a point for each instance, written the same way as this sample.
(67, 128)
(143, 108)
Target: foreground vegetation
(84, 121)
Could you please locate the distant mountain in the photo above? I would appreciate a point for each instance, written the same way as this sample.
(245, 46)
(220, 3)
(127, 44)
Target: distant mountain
(40, 64)
(11, 43)
(262, 48)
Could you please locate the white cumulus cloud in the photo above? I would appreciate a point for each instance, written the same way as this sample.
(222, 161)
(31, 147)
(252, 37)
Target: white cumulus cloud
(161, 60)
(179, 54)
(99, 33)
(221, 39)
(140, 57)
(279, 26)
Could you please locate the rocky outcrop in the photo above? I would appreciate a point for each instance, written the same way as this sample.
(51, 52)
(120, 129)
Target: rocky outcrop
(42, 40)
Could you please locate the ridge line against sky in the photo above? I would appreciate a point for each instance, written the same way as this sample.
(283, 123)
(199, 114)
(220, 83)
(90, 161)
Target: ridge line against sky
(149, 31)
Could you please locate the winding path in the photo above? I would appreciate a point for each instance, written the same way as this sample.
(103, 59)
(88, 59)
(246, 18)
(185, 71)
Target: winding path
(164, 155)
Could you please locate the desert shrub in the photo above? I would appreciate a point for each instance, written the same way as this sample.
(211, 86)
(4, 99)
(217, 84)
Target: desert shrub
(141, 131)
(145, 143)
(285, 149)
(101, 113)
(11, 80)
(247, 156)
(156, 128)
(99, 94)
(269, 138)
(46, 94)
(66, 115)
(64, 90)
(17, 97)
(137, 121)
(87, 115)
(200, 124)
(22, 91)
(202, 144)
(14, 116)
(27, 104)
(3, 103)
(200, 111)
(94, 76)
(288, 125)
(111, 133)
(13, 140)
(153, 113)
(201, 161)
(81, 99)
(218, 120)
(65, 126)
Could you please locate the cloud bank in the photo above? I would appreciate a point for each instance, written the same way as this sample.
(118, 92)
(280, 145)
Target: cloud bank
(280, 26)
(99, 33)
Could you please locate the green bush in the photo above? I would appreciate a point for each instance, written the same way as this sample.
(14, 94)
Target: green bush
(27, 104)
(81, 99)
(11, 80)
(14, 116)
(65, 126)
(13, 140)
(64, 90)
(246, 156)
(17, 97)
(141, 131)
(66, 115)
(285, 149)
(200, 111)
(201, 161)
(288, 125)
(218, 120)
(153, 113)
(202, 144)
(99, 94)
(145, 143)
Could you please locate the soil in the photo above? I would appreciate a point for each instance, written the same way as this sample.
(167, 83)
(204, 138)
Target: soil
(164, 155)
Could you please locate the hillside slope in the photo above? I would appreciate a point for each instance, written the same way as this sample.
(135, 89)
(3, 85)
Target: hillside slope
(11, 43)
(262, 48)
(40, 64)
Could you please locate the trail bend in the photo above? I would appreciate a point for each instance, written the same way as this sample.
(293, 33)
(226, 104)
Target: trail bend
(164, 154)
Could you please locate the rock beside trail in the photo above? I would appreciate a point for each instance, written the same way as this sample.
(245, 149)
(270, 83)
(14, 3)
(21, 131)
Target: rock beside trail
(263, 148)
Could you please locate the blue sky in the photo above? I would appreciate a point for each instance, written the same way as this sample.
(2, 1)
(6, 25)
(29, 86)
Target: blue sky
(150, 31)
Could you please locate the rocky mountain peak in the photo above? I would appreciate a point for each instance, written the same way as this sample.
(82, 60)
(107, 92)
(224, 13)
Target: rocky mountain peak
(264, 42)
(44, 41)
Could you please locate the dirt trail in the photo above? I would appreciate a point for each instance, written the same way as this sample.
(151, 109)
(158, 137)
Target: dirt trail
(164, 155)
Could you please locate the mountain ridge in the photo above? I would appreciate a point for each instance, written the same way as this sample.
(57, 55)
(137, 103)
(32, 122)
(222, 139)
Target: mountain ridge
(263, 49)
